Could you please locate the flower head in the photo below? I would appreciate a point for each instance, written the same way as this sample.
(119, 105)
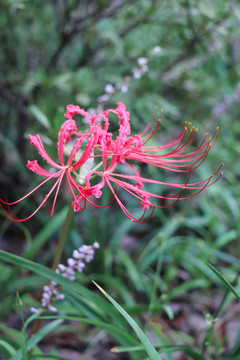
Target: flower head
(96, 153)
(80, 152)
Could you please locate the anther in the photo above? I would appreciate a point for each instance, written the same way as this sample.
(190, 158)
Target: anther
(210, 139)
(162, 110)
(189, 123)
(206, 134)
(196, 129)
(217, 128)
(116, 182)
(210, 145)
(48, 210)
(85, 188)
(156, 107)
(159, 120)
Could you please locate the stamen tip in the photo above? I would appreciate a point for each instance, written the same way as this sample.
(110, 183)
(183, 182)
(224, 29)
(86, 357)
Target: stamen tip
(85, 188)
(156, 107)
(217, 128)
(162, 110)
(196, 129)
(206, 134)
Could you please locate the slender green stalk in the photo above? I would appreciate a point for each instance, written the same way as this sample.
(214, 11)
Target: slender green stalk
(62, 239)
(57, 257)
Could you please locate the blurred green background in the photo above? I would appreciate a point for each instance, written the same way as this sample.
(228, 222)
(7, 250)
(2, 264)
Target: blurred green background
(65, 52)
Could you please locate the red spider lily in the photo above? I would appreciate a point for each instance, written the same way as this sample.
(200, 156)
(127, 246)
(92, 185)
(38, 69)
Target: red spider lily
(111, 155)
(68, 129)
(173, 156)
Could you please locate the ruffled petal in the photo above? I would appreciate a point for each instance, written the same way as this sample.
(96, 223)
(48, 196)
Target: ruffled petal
(33, 166)
(37, 142)
(68, 128)
(92, 141)
(124, 116)
(74, 150)
(95, 189)
(74, 109)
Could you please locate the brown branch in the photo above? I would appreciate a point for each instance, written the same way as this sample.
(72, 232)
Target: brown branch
(67, 34)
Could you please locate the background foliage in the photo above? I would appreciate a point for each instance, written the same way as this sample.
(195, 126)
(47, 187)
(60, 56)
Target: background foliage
(57, 53)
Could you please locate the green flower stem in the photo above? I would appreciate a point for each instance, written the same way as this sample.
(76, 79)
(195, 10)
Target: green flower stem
(57, 257)
(62, 239)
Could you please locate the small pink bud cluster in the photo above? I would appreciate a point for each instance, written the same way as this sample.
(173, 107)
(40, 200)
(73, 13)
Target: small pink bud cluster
(84, 254)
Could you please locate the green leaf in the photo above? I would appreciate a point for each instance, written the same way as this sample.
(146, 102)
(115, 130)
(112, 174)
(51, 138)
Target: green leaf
(152, 353)
(24, 347)
(35, 339)
(92, 304)
(207, 8)
(6, 348)
(110, 328)
(51, 227)
(39, 115)
(163, 349)
(224, 280)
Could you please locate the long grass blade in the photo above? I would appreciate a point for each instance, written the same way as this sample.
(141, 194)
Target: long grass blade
(150, 350)
(224, 281)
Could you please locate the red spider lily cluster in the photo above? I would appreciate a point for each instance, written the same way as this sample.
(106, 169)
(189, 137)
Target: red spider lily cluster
(98, 144)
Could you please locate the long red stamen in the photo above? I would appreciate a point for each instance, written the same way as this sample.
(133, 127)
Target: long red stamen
(152, 132)
(14, 218)
(103, 206)
(32, 191)
(151, 122)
